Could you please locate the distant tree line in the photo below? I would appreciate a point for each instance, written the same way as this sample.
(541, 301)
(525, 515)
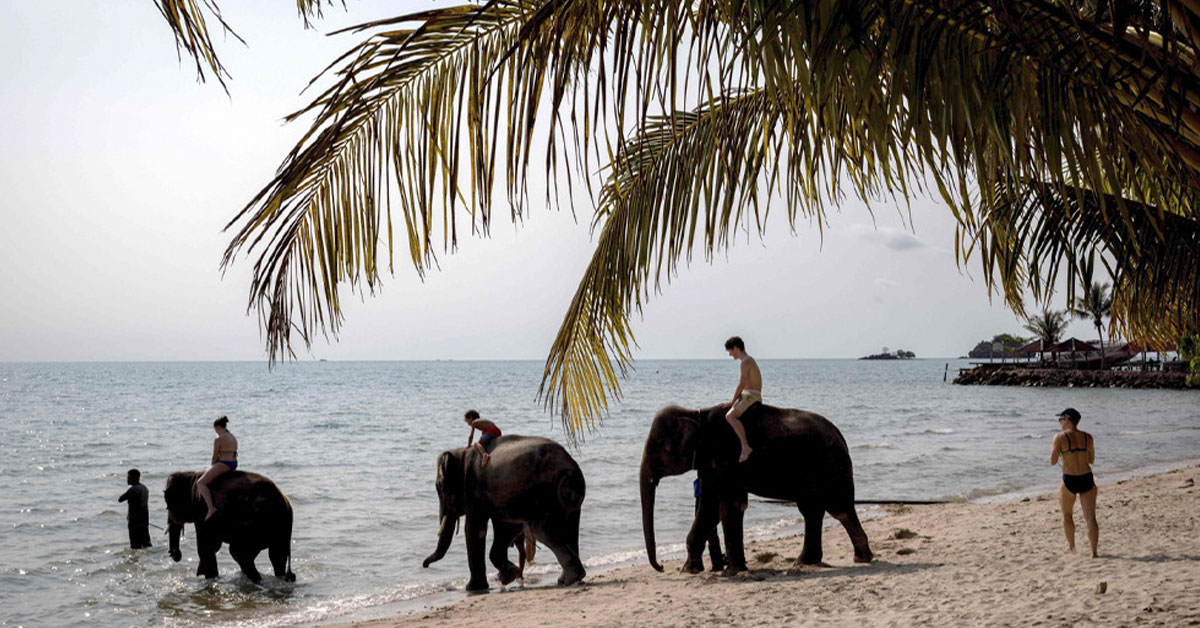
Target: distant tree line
(899, 354)
(1000, 346)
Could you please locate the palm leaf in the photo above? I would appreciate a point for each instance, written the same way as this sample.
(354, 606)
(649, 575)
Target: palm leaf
(189, 19)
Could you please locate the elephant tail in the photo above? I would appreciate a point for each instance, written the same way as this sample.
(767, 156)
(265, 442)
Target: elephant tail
(571, 489)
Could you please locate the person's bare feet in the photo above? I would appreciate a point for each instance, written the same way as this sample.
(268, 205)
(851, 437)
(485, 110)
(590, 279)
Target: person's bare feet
(746, 451)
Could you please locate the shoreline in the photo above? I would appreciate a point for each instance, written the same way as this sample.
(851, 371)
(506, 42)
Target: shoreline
(958, 555)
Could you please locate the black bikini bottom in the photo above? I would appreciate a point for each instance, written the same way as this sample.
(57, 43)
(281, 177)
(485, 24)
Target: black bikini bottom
(1079, 483)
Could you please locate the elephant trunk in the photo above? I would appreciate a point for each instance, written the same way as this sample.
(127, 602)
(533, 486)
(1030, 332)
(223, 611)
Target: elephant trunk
(649, 485)
(174, 529)
(445, 535)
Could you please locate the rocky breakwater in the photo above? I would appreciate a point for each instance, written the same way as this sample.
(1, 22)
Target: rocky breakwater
(1023, 376)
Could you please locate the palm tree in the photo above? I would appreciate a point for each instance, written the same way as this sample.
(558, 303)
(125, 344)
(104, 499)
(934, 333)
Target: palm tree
(1048, 327)
(1095, 304)
(1056, 131)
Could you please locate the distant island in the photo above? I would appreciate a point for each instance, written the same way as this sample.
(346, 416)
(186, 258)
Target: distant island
(898, 354)
(1000, 346)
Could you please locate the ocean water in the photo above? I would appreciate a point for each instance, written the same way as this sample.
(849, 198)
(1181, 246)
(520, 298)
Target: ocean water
(354, 445)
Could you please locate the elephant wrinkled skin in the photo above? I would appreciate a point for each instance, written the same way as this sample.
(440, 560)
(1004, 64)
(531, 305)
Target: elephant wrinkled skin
(252, 515)
(798, 456)
(528, 480)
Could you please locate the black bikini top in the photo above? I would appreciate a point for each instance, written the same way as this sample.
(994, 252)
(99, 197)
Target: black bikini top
(1073, 450)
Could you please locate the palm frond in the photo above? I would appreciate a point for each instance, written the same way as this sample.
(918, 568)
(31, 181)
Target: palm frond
(189, 21)
(412, 121)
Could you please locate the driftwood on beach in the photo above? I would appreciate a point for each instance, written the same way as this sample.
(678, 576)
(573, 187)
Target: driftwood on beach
(1001, 375)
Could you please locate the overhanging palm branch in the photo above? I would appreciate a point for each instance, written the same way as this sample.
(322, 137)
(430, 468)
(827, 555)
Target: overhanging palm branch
(1006, 108)
(412, 121)
(189, 21)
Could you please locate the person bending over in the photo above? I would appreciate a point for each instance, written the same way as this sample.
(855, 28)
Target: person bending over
(1078, 451)
(224, 458)
(489, 433)
(748, 393)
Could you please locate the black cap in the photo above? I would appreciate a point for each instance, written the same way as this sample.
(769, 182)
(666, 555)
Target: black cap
(1070, 413)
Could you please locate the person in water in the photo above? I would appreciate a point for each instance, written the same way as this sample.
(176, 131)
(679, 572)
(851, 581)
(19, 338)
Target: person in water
(138, 518)
(224, 458)
(489, 433)
(748, 393)
(1078, 451)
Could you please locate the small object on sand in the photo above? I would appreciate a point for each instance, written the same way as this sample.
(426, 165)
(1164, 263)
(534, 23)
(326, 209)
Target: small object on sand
(904, 533)
(1188, 483)
(1101, 588)
(765, 557)
(904, 551)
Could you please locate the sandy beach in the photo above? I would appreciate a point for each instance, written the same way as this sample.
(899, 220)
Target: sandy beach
(996, 564)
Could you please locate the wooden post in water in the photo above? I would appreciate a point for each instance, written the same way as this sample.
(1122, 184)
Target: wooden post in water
(947, 373)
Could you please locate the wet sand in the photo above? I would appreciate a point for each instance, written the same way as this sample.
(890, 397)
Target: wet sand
(1000, 564)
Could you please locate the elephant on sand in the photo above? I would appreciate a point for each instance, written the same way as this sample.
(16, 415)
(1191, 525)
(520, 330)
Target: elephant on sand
(252, 515)
(798, 456)
(528, 480)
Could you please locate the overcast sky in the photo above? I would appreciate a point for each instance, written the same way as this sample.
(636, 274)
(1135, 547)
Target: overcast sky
(119, 171)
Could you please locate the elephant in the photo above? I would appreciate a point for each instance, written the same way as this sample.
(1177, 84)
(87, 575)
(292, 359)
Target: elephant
(798, 456)
(528, 480)
(252, 515)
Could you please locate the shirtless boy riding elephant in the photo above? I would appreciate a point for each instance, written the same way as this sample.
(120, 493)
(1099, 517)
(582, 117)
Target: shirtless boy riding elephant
(748, 393)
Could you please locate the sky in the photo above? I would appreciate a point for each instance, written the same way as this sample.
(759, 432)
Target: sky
(120, 170)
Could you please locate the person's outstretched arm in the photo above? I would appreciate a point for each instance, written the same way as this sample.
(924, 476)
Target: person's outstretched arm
(1054, 449)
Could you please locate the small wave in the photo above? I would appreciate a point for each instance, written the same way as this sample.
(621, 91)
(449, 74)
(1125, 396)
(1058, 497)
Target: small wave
(939, 430)
(1030, 437)
(873, 446)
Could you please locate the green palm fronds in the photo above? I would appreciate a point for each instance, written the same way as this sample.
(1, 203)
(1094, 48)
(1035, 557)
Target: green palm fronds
(188, 20)
(1059, 133)
(411, 121)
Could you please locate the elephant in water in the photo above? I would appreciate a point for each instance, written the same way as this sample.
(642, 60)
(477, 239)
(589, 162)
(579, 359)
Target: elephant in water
(528, 480)
(798, 456)
(252, 515)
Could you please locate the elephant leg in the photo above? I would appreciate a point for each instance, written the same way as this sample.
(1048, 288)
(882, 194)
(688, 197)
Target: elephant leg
(561, 535)
(475, 531)
(245, 555)
(858, 537)
(206, 548)
(707, 515)
(731, 521)
(714, 551)
(280, 551)
(504, 534)
(813, 518)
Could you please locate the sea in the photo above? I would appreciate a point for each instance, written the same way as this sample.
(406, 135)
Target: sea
(354, 445)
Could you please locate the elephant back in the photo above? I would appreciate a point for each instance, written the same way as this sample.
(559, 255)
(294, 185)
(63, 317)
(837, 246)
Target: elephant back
(533, 460)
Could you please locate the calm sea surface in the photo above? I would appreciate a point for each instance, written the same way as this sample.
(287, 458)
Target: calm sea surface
(354, 445)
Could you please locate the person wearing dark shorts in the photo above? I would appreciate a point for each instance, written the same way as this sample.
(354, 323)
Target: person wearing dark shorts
(138, 497)
(1078, 451)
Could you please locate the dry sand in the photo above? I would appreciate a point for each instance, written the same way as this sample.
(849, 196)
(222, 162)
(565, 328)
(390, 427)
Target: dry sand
(1001, 564)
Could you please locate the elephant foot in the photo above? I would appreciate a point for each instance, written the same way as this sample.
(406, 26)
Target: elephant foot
(289, 577)
(569, 578)
(733, 570)
(809, 559)
(718, 564)
(692, 566)
(477, 586)
(508, 575)
(864, 557)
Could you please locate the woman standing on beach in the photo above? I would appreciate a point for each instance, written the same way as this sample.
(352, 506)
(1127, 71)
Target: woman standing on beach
(1078, 452)
(224, 458)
